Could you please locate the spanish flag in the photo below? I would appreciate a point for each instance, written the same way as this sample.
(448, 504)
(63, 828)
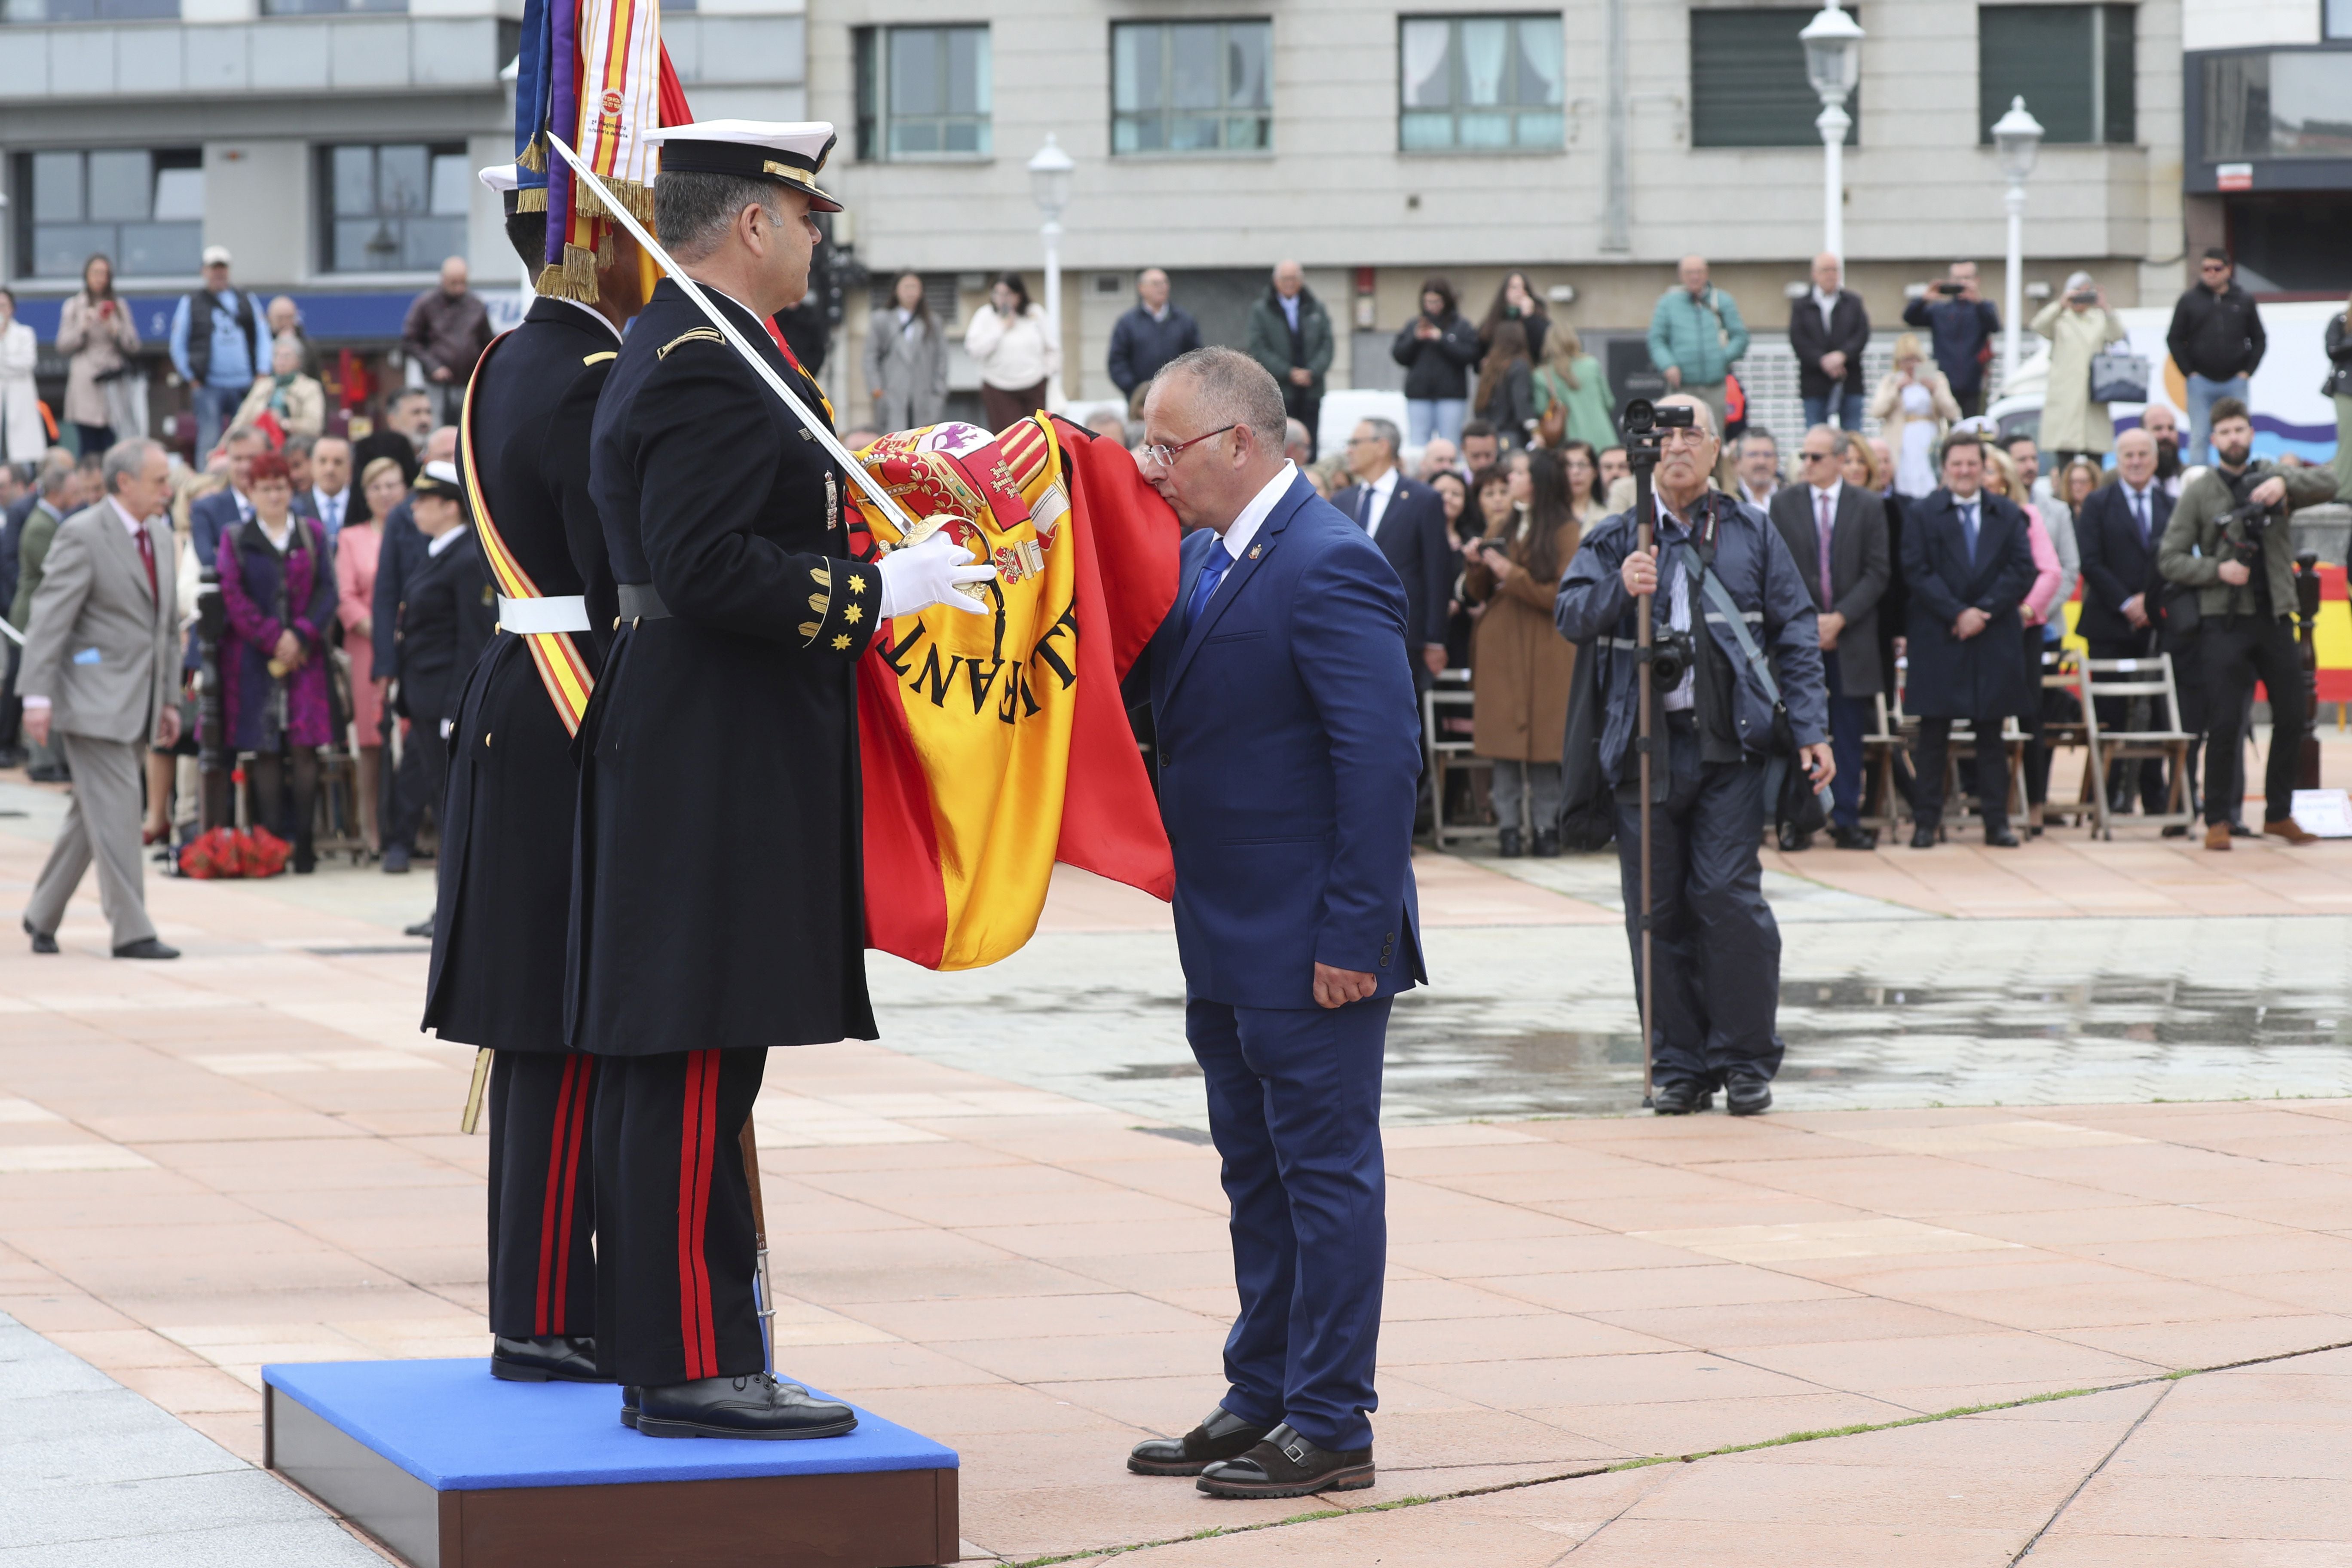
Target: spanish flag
(994, 746)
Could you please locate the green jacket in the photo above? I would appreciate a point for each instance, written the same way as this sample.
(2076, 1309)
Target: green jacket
(1592, 411)
(32, 554)
(1704, 336)
(1269, 337)
(2191, 550)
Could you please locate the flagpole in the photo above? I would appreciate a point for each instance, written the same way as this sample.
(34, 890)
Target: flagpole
(883, 500)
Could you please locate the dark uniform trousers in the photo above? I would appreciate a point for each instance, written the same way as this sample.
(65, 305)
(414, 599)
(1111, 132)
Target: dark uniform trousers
(542, 1193)
(1712, 941)
(675, 1234)
(1934, 746)
(1295, 1108)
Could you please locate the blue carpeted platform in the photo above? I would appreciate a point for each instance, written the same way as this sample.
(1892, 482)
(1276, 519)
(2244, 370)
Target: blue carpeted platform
(457, 1428)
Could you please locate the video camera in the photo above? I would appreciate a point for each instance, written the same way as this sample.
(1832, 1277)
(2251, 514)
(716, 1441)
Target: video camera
(1646, 425)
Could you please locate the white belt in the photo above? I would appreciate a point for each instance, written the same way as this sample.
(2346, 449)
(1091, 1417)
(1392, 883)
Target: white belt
(567, 613)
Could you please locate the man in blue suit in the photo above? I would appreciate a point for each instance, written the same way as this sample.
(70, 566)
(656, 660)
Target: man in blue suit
(214, 515)
(1288, 756)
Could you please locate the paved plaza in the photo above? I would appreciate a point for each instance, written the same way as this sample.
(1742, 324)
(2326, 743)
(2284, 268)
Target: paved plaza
(2047, 1252)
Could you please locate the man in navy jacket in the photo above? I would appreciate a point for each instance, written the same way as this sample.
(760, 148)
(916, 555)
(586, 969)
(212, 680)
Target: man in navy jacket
(1714, 943)
(1150, 336)
(1288, 756)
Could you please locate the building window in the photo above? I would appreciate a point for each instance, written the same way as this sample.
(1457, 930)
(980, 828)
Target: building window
(143, 210)
(2335, 19)
(327, 7)
(922, 92)
(2287, 104)
(1191, 87)
(1481, 83)
(2072, 64)
(1747, 79)
(397, 208)
(37, 11)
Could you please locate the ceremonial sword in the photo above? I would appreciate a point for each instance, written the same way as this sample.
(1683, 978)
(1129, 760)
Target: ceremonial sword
(883, 501)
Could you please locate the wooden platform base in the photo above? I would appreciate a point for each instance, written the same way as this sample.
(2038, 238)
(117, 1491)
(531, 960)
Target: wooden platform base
(451, 1468)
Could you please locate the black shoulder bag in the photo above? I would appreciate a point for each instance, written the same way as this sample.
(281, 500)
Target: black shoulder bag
(1796, 804)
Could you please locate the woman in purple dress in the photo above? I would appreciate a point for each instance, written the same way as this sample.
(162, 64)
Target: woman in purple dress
(278, 583)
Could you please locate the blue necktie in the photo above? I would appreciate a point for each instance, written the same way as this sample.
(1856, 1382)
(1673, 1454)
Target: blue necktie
(2139, 515)
(1968, 521)
(1213, 572)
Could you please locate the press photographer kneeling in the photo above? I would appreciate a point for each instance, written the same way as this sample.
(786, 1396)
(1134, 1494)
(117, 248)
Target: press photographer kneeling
(2229, 539)
(1716, 949)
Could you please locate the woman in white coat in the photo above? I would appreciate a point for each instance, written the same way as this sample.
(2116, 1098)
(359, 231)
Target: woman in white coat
(25, 438)
(1016, 350)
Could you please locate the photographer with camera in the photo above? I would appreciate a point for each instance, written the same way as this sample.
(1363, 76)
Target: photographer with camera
(1714, 713)
(1961, 323)
(2229, 539)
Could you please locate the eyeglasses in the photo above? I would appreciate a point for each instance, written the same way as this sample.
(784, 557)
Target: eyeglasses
(1688, 436)
(1817, 457)
(2213, 267)
(1165, 456)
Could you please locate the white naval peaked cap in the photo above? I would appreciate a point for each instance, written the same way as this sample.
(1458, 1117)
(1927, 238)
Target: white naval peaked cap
(499, 177)
(790, 153)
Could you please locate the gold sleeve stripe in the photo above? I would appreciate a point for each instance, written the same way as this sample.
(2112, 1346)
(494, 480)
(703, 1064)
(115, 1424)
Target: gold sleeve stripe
(808, 628)
(823, 578)
(818, 602)
(600, 359)
(699, 334)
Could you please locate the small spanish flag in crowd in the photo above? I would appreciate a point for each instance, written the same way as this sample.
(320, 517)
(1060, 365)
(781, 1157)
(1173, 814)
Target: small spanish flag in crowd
(992, 746)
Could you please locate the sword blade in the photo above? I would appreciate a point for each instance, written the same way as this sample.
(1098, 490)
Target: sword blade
(873, 490)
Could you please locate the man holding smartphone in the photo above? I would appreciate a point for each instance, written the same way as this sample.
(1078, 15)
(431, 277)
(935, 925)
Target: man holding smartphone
(1962, 324)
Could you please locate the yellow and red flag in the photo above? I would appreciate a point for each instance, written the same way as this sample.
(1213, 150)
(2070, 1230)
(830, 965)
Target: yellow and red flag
(994, 746)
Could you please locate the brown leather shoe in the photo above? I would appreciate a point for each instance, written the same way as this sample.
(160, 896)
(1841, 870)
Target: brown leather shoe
(2217, 837)
(1221, 1435)
(2286, 828)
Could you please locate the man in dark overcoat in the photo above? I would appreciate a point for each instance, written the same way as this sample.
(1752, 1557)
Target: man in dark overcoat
(1837, 534)
(718, 906)
(504, 897)
(1968, 560)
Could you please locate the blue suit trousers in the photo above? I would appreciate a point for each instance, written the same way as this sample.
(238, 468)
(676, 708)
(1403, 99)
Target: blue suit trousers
(1295, 1108)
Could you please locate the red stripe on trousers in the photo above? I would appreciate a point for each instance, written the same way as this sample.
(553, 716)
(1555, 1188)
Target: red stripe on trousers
(576, 1141)
(696, 1147)
(702, 1217)
(551, 1197)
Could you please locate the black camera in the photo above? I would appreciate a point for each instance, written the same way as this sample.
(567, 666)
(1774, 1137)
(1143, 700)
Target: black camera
(1644, 417)
(1950, 291)
(2252, 521)
(1671, 657)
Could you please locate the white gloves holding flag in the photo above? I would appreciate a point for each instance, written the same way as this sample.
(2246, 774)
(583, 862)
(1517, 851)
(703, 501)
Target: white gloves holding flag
(933, 572)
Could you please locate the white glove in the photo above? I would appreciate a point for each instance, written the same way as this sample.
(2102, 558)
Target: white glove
(928, 573)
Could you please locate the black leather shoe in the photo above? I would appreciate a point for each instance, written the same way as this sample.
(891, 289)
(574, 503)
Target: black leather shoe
(49, 772)
(1288, 1465)
(422, 928)
(1680, 1098)
(1747, 1096)
(1999, 836)
(631, 1397)
(395, 859)
(1791, 840)
(1854, 838)
(1547, 844)
(1923, 837)
(757, 1405)
(1508, 845)
(146, 947)
(2240, 830)
(1221, 1435)
(555, 1358)
(2176, 830)
(43, 940)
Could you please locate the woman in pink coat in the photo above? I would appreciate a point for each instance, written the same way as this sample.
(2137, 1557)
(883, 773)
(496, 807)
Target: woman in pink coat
(355, 554)
(2041, 604)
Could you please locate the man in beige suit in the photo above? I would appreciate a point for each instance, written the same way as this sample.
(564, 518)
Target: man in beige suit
(99, 673)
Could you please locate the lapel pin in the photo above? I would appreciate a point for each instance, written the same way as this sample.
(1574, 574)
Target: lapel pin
(1253, 551)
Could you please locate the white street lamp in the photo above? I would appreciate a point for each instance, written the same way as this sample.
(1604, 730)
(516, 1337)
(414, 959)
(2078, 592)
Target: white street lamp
(2016, 138)
(1832, 43)
(1049, 182)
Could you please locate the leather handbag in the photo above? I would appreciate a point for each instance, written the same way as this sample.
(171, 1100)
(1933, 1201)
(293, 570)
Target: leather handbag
(2119, 378)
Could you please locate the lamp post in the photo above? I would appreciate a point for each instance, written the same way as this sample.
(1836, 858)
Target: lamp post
(1049, 182)
(1832, 43)
(2016, 138)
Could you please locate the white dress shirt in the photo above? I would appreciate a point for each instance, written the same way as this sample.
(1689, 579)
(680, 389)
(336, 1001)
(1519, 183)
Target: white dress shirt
(1678, 615)
(605, 322)
(1251, 517)
(1383, 491)
(436, 546)
(1828, 305)
(332, 508)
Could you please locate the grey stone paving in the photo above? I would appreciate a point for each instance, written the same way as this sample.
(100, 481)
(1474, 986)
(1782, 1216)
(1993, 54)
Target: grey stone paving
(1876, 1012)
(94, 1475)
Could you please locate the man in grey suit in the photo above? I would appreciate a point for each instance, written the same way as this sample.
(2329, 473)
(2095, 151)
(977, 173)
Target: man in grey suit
(101, 670)
(1838, 535)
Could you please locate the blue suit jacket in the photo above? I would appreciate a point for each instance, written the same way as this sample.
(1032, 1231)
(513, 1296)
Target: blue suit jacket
(208, 519)
(1289, 750)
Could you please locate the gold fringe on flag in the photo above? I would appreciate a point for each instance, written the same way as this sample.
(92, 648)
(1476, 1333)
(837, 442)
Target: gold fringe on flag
(531, 199)
(637, 196)
(574, 278)
(533, 157)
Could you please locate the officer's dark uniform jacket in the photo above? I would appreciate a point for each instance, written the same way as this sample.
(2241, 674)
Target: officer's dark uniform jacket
(1754, 564)
(447, 615)
(717, 898)
(505, 865)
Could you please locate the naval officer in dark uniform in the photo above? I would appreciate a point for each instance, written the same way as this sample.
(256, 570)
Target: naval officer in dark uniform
(504, 909)
(717, 903)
